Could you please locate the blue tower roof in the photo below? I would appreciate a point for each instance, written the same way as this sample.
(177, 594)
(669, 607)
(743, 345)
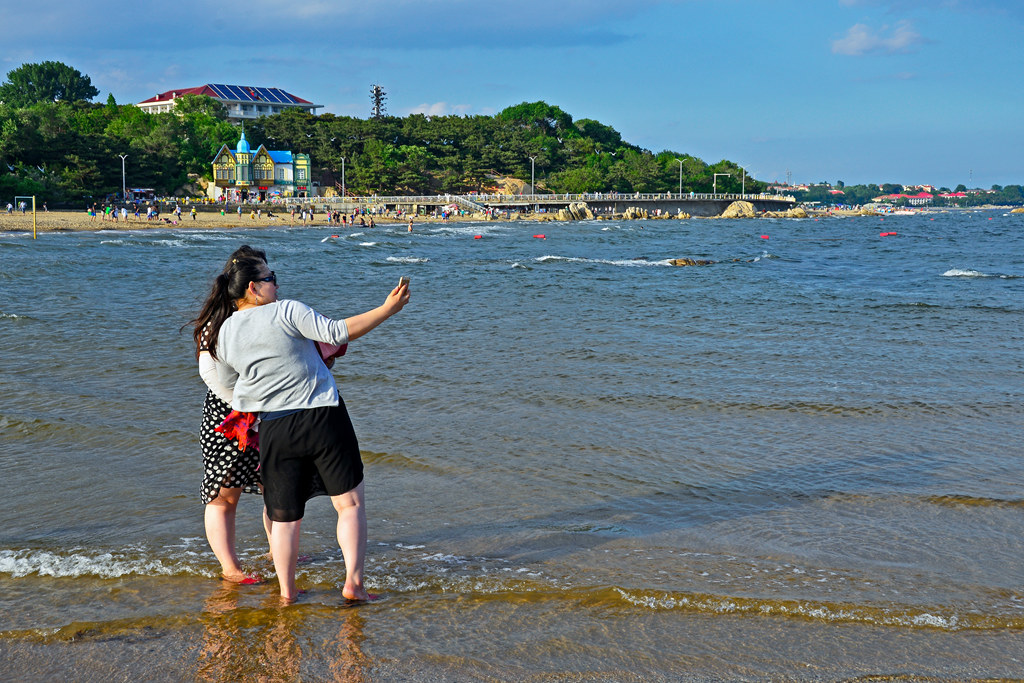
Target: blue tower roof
(243, 145)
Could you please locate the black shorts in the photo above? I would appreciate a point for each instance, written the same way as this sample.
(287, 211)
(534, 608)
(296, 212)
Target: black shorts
(294, 446)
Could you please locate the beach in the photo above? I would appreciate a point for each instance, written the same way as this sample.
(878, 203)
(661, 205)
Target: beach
(798, 462)
(206, 219)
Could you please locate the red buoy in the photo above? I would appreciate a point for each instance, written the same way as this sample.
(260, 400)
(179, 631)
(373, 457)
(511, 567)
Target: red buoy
(540, 237)
(477, 237)
(764, 237)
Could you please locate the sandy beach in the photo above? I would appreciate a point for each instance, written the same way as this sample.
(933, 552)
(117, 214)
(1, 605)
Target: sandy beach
(80, 221)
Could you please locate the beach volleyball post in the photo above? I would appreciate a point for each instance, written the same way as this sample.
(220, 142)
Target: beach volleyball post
(33, 198)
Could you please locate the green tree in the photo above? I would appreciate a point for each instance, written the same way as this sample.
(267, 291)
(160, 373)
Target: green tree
(636, 172)
(578, 180)
(45, 82)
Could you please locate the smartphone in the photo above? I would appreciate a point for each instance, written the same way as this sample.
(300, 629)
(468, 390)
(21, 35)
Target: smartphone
(403, 281)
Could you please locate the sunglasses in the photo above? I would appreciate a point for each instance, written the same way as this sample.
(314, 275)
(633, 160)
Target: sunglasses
(270, 278)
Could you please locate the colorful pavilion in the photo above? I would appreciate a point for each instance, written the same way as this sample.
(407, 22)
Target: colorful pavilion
(244, 174)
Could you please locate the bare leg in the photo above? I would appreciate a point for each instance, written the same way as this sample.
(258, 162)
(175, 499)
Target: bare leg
(220, 531)
(268, 526)
(284, 543)
(352, 539)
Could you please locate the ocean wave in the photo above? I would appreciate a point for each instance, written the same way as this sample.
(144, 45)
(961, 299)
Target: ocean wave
(406, 259)
(395, 460)
(968, 272)
(973, 501)
(961, 272)
(414, 568)
(368, 244)
(78, 563)
(671, 403)
(634, 262)
(944, 618)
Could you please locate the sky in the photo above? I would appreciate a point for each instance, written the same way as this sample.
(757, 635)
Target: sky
(807, 91)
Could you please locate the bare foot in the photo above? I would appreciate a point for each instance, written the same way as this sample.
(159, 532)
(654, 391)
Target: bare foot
(290, 600)
(358, 594)
(242, 578)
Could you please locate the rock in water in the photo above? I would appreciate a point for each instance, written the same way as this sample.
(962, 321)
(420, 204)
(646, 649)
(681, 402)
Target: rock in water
(739, 209)
(689, 262)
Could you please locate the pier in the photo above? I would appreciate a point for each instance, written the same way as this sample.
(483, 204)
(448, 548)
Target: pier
(600, 203)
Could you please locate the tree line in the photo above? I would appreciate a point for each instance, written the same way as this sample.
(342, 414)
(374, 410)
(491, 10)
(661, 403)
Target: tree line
(858, 195)
(57, 144)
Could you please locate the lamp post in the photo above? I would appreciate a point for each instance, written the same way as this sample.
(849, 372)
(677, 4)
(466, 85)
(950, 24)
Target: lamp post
(124, 193)
(532, 189)
(714, 182)
(680, 162)
(343, 177)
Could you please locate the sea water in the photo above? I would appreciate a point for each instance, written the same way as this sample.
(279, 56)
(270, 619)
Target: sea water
(800, 462)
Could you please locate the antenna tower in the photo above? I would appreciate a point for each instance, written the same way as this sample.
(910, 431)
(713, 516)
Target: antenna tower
(378, 96)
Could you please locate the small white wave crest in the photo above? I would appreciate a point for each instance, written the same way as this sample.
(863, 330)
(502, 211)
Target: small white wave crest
(964, 272)
(629, 263)
(406, 259)
(713, 604)
(77, 563)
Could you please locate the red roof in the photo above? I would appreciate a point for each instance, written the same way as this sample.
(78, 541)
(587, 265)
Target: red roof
(171, 94)
(232, 92)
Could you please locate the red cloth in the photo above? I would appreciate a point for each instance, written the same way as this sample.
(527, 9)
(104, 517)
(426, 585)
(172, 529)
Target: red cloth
(329, 351)
(239, 427)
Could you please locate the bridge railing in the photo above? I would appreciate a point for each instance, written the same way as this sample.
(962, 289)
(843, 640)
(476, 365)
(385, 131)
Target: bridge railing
(505, 199)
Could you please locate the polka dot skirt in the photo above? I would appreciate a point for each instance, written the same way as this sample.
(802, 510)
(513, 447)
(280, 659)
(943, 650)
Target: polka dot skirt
(224, 465)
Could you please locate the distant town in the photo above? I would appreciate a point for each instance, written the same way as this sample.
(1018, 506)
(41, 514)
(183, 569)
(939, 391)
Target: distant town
(840, 194)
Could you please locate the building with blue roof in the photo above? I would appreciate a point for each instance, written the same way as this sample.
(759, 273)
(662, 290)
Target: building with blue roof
(242, 173)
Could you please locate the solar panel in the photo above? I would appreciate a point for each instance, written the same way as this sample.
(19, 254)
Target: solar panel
(252, 94)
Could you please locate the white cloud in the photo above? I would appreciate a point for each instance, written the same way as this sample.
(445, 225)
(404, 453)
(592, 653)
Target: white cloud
(440, 109)
(862, 40)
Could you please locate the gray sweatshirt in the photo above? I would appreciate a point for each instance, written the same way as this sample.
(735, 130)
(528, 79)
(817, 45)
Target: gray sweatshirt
(268, 357)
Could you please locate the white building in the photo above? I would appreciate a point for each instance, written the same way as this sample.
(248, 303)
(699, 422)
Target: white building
(242, 101)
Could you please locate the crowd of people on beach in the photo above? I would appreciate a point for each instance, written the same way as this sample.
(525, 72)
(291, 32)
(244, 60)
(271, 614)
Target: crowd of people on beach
(274, 421)
(133, 212)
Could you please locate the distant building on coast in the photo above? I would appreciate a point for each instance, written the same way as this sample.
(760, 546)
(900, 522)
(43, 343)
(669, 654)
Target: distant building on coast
(243, 174)
(243, 102)
(919, 199)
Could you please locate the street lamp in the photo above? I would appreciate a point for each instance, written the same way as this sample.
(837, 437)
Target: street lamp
(680, 162)
(343, 177)
(124, 193)
(714, 182)
(532, 189)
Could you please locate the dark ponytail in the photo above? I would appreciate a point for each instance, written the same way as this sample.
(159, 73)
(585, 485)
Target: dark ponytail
(244, 266)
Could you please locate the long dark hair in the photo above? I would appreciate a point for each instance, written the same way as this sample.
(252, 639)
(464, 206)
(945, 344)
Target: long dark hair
(243, 266)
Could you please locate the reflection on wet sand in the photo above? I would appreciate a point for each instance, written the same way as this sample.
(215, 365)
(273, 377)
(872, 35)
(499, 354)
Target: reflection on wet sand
(261, 643)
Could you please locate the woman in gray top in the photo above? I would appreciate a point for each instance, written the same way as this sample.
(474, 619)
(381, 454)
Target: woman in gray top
(268, 357)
